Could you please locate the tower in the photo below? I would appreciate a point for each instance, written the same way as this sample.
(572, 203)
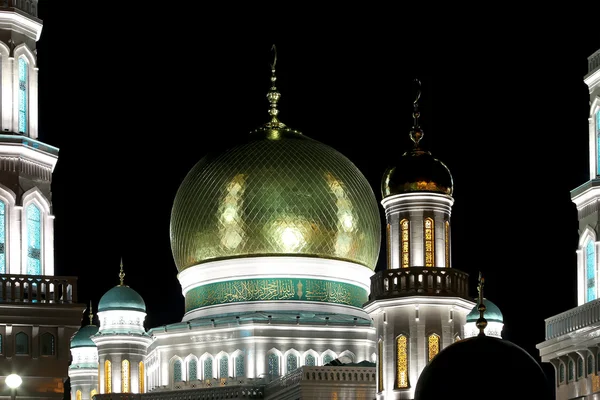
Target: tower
(419, 303)
(83, 370)
(121, 340)
(38, 310)
(572, 340)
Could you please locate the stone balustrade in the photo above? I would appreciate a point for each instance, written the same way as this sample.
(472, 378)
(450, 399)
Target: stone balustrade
(38, 289)
(594, 62)
(573, 319)
(426, 281)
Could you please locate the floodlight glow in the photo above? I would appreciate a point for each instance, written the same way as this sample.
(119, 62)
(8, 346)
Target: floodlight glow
(13, 381)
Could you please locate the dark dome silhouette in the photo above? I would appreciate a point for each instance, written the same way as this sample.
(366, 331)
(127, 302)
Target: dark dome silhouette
(483, 367)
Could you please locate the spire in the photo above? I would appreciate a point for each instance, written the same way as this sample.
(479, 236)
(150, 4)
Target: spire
(121, 273)
(91, 315)
(416, 133)
(273, 95)
(481, 322)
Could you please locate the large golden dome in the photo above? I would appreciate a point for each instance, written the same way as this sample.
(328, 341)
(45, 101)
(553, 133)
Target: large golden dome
(277, 193)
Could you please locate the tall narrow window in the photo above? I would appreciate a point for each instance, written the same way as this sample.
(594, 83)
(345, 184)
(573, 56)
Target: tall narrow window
(208, 368)
(310, 360)
(239, 366)
(402, 362)
(47, 344)
(107, 377)
(193, 370)
(405, 243)
(380, 365)
(93, 393)
(590, 364)
(223, 367)
(292, 362)
(78, 395)
(327, 358)
(561, 373)
(273, 364)
(125, 376)
(590, 263)
(2, 238)
(433, 346)
(1, 345)
(22, 95)
(579, 367)
(141, 378)
(429, 242)
(34, 233)
(571, 370)
(177, 371)
(21, 343)
(447, 243)
(388, 246)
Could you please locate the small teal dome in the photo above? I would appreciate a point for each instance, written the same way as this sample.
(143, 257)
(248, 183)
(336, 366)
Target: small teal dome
(492, 312)
(121, 297)
(82, 337)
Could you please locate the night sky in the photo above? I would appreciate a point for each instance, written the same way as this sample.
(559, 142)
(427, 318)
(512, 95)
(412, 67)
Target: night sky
(133, 98)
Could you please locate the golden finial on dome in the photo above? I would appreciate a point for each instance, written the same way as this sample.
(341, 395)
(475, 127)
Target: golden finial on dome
(121, 273)
(481, 322)
(91, 315)
(416, 133)
(273, 95)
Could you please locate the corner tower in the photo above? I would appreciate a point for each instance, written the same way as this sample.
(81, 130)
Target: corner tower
(419, 303)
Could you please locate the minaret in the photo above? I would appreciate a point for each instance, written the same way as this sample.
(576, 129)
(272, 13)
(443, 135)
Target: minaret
(26, 164)
(419, 303)
(83, 371)
(121, 340)
(587, 196)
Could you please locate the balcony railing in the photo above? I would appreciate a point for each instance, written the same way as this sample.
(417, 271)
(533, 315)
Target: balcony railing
(571, 320)
(212, 393)
(424, 281)
(38, 289)
(593, 62)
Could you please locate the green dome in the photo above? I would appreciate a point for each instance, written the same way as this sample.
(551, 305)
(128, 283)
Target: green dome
(492, 312)
(82, 337)
(121, 297)
(277, 193)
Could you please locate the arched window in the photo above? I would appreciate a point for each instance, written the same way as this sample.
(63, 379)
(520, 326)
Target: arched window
(21, 343)
(447, 243)
(93, 393)
(239, 365)
(561, 373)
(273, 364)
(579, 367)
(380, 365)
(327, 358)
(590, 364)
(22, 95)
(78, 395)
(291, 362)
(429, 242)
(2, 237)
(590, 266)
(192, 370)
(47, 344)
(405, 242)
(177, 371)
(34, 233)
(310, 360)
(388, 245)
(401, 362)
(125, 376)
(107, 377)
(208, 368)
(141, 378)
(571, 370)
(433, 346)
(224, 367)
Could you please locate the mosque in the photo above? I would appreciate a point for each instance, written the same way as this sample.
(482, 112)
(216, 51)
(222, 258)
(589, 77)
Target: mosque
(275, 240)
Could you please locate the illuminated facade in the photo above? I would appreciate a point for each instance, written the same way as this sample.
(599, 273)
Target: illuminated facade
(572, 337)
(39, 311)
